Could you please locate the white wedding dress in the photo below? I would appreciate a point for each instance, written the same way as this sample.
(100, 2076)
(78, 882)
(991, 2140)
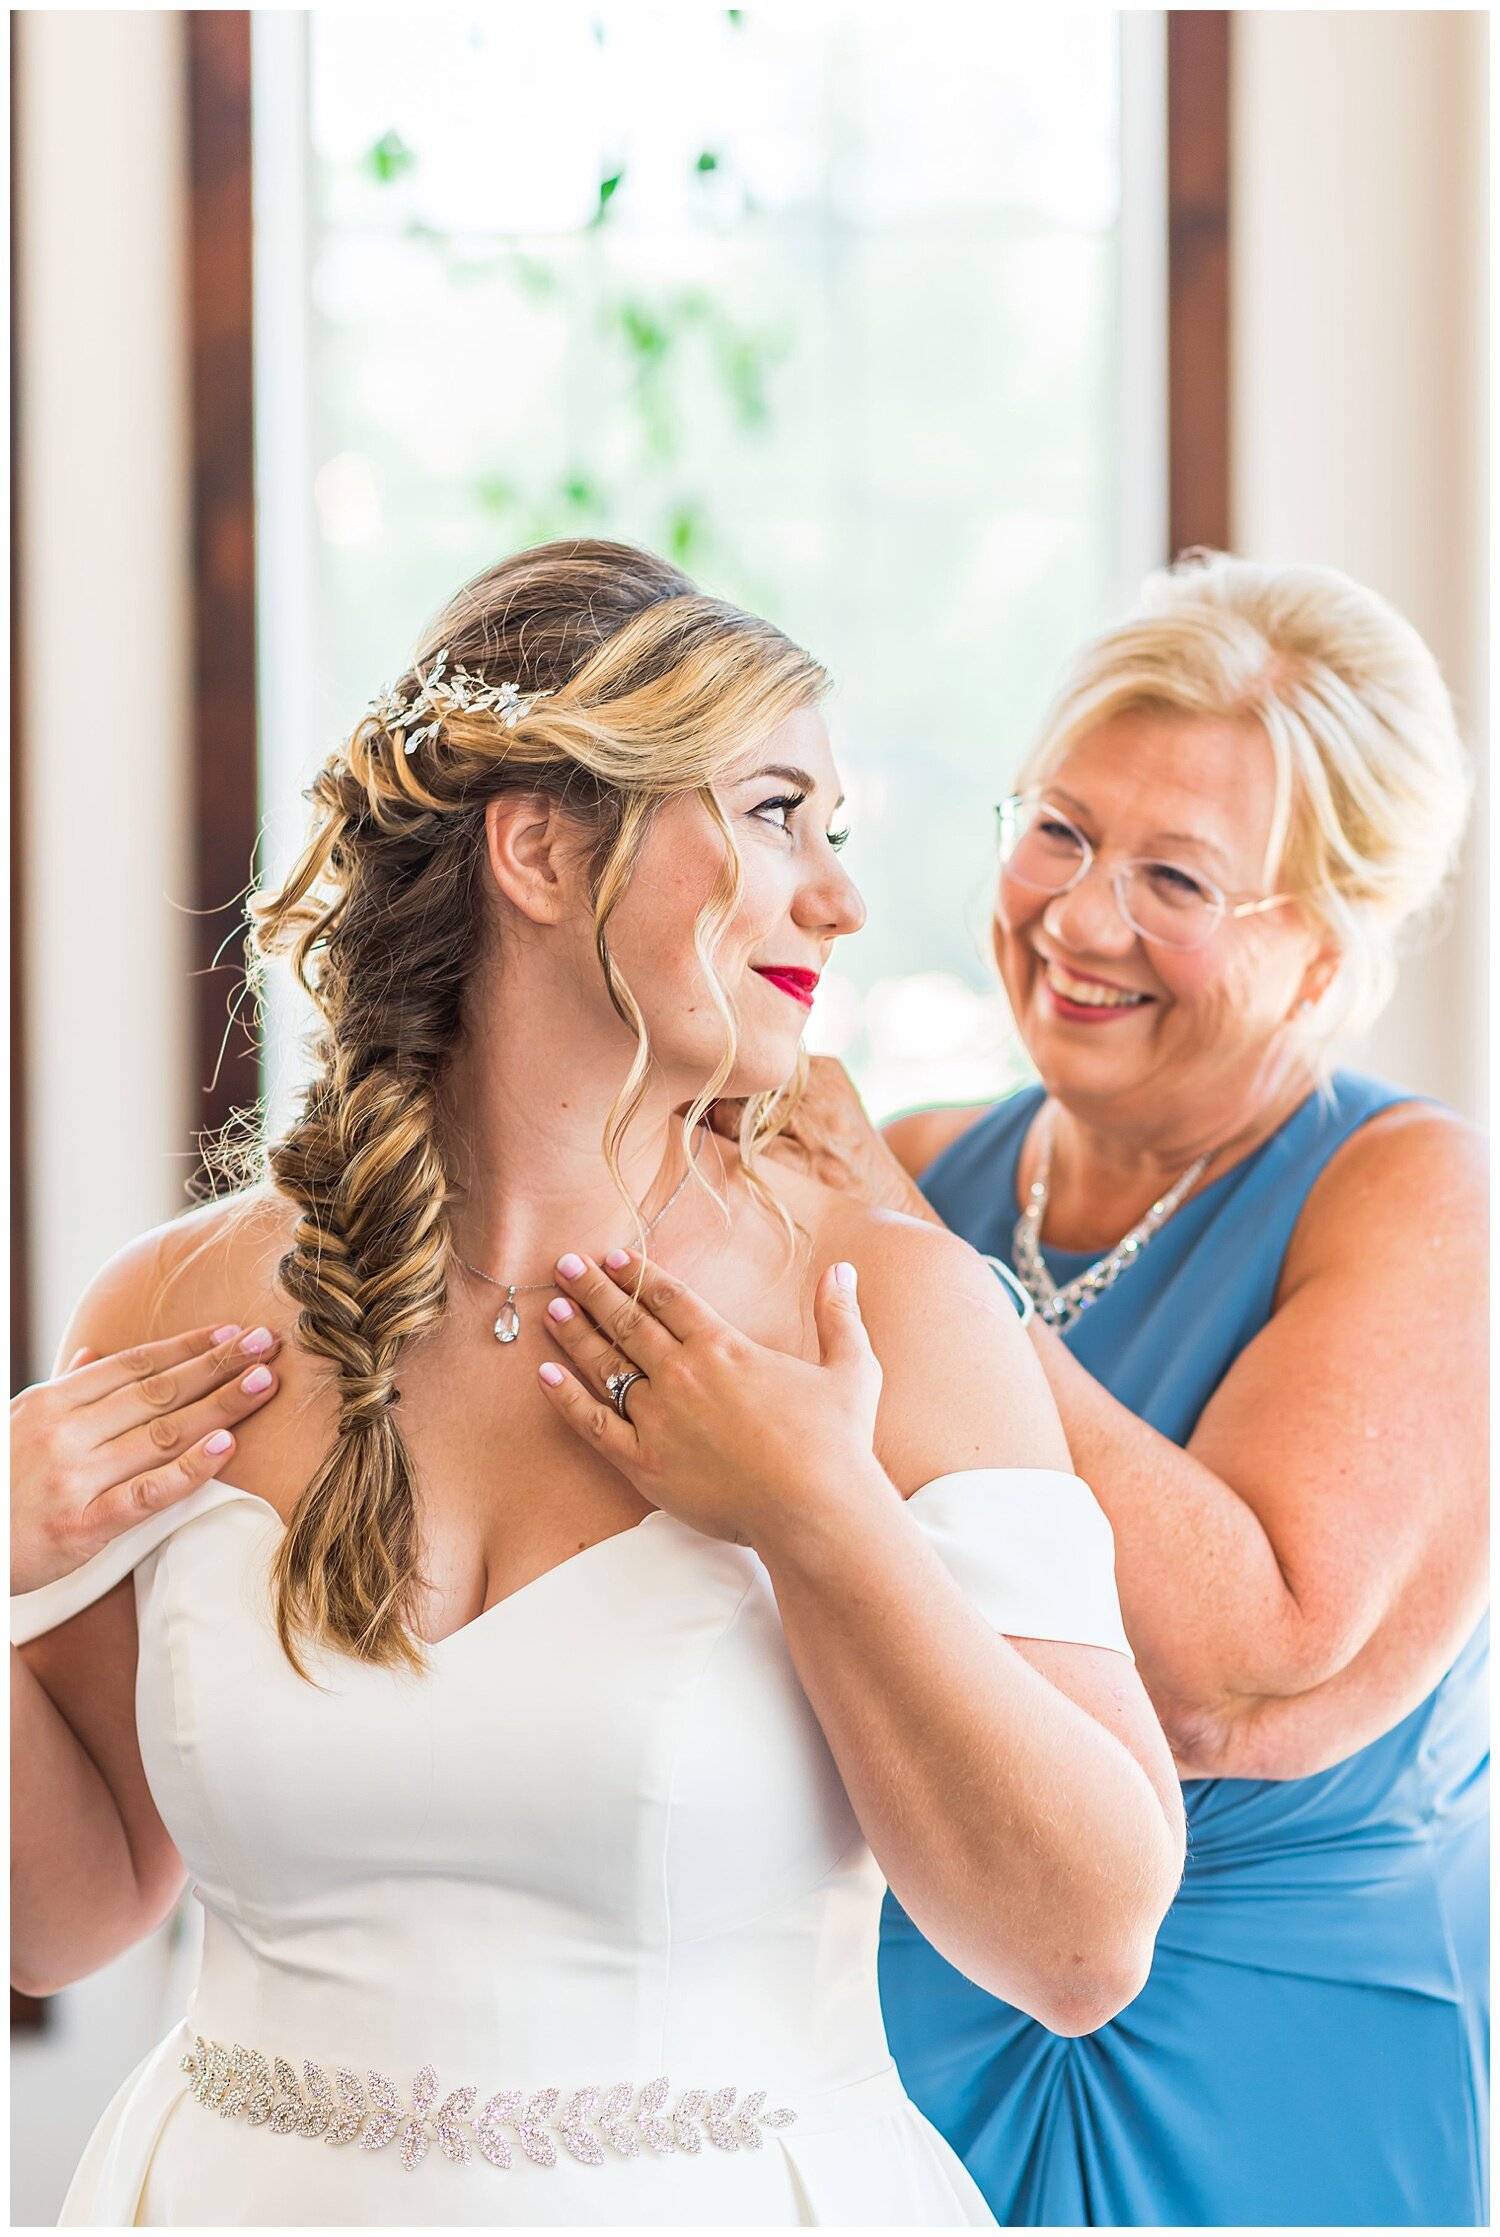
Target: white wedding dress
(558, 1933)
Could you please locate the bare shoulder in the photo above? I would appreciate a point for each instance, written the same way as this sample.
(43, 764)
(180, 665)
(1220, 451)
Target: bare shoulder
(212, 1264)
(915, 1138)
(1411, 1183)
(963, 1387)
(906, 1267)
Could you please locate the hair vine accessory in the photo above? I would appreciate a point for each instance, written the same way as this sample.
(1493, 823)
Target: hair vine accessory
(441, 695)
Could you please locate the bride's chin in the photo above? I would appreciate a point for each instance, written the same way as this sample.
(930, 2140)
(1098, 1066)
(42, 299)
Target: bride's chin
(747, 1080)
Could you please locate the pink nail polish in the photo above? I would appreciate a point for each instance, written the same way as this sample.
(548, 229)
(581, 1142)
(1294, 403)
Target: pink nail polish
(570, 1266)
(258, 1340)
(219, 1442)
(843, 1274)
(230, 1328)
(616, 1260)
(559, 1309)
(550, 1375)
(259, 1378)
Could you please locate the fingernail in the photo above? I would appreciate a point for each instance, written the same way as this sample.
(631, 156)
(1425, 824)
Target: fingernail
(570, 1266)
(259, 1378)
(220, 1441)
(616, 1260)
(559, 1309)
(550, 1375)
(230, 1328)
(843, 1274)
(258, 1340)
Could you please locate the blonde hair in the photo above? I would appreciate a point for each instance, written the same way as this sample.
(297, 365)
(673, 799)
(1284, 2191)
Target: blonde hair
(1372, 782)
(652, 692)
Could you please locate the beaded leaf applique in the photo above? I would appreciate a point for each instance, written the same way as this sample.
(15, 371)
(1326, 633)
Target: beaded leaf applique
(240, 2082)
(349, 2118)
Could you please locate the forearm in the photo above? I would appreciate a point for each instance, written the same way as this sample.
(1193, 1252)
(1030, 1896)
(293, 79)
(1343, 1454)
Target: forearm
(76, 1898)
(1022, 1837)
(1297, 1735)
(1216, 1629)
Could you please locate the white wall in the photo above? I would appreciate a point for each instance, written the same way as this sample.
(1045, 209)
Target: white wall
(104, 557)
(1360, 387)
(103, 553)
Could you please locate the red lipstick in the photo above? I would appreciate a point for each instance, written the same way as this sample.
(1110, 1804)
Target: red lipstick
(800, 985)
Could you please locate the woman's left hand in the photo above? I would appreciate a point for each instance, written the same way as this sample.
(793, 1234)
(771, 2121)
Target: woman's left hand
(734, 1439)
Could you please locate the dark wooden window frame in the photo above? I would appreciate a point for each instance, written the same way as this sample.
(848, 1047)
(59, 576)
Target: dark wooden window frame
(1199, 425)
(224, 773)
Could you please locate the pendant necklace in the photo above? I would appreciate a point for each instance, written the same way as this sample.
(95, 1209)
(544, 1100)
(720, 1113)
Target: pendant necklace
(508, 1319)
(1060, 1307)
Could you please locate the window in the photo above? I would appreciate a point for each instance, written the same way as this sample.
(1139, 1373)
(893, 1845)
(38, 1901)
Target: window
(827, 304)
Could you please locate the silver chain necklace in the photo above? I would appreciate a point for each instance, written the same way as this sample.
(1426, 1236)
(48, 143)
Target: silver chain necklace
(1059, 1308)
(508, 1319)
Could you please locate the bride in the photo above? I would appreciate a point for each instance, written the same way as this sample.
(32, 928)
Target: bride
(536, 1681)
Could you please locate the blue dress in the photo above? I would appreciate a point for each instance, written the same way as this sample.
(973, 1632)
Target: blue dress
(1311, 2044)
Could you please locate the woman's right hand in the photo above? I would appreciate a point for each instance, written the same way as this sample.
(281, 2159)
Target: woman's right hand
(833, 1136)
(111, 1440)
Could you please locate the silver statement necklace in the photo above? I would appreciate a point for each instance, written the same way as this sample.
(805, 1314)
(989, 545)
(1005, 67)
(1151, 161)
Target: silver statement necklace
(508, 1319)
(1059, 1308)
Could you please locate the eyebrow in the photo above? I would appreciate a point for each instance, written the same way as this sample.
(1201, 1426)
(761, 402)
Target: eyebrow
(1157, 838)
(797, 777)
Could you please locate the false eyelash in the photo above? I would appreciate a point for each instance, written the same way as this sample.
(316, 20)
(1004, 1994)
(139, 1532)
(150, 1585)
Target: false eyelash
(792, 801)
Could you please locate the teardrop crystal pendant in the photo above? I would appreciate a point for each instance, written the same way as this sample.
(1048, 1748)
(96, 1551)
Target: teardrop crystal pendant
(507, 1320)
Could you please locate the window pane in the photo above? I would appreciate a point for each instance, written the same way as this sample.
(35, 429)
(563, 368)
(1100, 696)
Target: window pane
(822, 304)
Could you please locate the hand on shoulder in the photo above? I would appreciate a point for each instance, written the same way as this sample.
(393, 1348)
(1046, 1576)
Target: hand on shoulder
(143, 1407)
(917, 1138)
(831, 1138)
(213, 1264)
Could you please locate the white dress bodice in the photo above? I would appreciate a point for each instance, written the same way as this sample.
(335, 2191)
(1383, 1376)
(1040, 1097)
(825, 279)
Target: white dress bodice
(601, 1840)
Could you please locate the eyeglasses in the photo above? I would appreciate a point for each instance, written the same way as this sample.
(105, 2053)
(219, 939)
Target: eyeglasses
(1040, 848)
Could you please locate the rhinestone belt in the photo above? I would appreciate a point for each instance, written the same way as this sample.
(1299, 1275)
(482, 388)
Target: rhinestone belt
(371, 2113)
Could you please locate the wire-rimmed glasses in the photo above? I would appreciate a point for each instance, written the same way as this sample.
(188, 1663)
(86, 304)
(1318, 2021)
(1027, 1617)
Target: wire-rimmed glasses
(1042, 849)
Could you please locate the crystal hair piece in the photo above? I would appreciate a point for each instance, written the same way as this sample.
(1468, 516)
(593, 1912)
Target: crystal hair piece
(372, 2113)
(441, 694)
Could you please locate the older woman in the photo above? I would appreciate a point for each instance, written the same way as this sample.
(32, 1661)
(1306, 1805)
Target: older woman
(1259, 1290)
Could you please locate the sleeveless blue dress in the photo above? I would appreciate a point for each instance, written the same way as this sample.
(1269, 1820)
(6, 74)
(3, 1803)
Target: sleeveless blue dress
(1311, 2044)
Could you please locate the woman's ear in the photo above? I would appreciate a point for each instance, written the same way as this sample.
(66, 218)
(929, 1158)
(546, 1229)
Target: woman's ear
(534, 855)
(1321, 971)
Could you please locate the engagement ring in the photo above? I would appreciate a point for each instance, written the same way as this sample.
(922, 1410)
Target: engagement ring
(617, 1385)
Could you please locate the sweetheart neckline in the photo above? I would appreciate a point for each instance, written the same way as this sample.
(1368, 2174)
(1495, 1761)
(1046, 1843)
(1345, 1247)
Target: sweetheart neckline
(435, 1646)
(657, 1514)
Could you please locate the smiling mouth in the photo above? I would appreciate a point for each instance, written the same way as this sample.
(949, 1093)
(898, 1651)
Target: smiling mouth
(800, 985)
(1072, 993)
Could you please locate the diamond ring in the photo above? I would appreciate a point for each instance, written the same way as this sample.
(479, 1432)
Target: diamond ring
(618, 1384)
